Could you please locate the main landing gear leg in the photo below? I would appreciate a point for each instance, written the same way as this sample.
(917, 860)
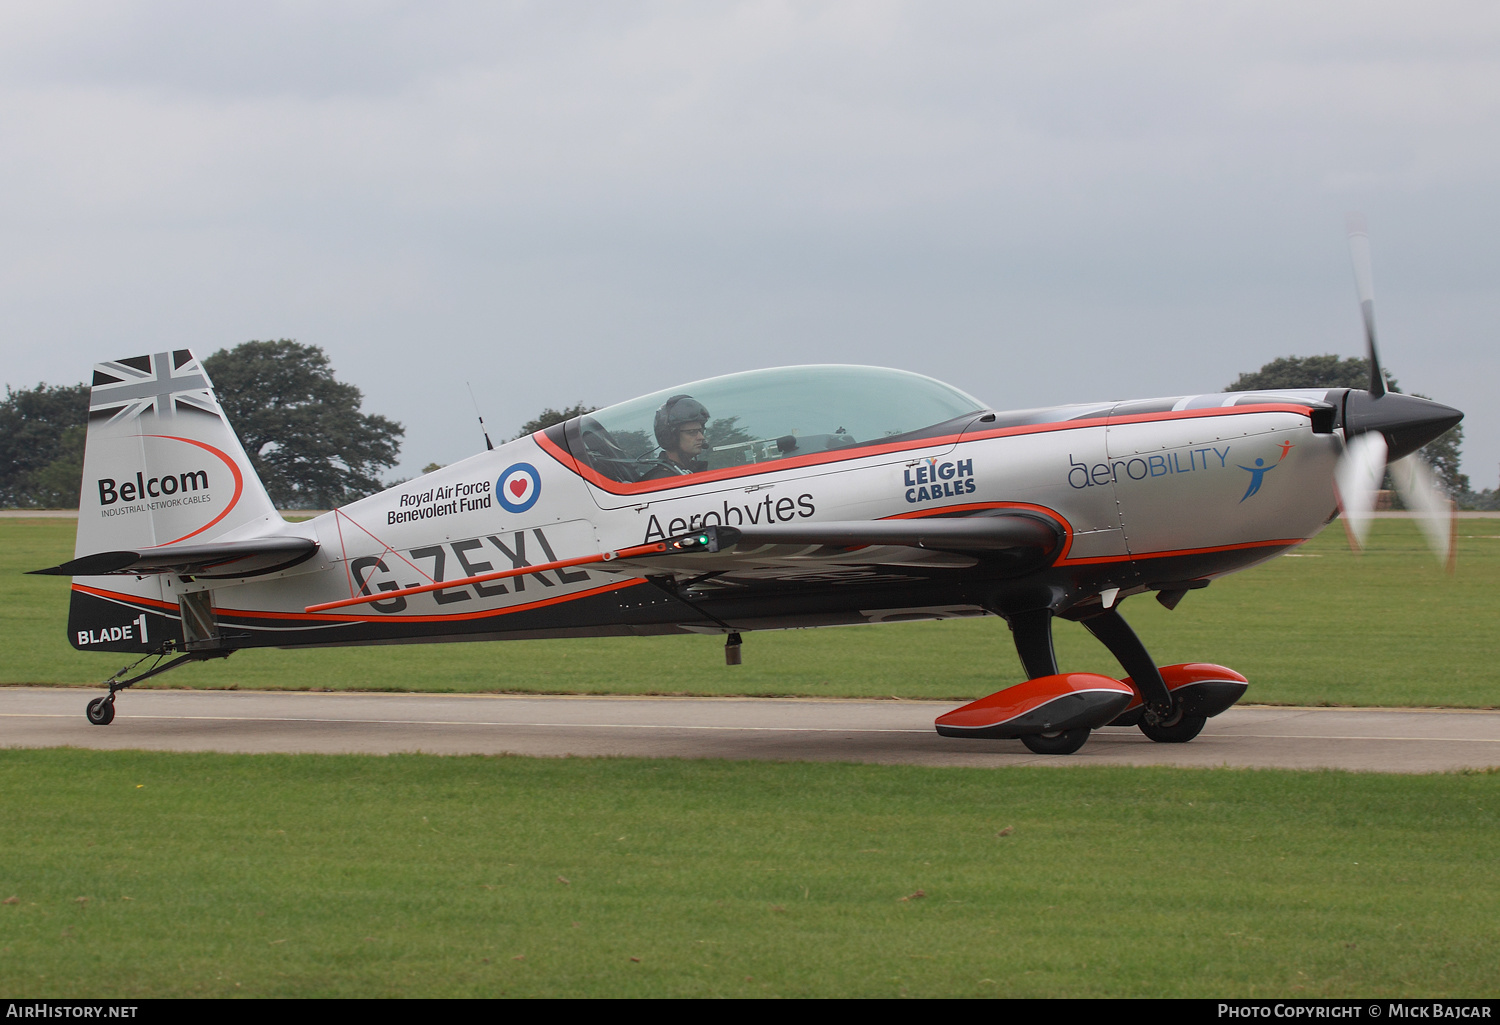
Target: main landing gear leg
(1032, 632)
(101, 711)
(1163, 720)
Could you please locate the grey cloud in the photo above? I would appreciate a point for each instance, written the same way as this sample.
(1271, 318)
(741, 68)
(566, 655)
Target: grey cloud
(1038, 201)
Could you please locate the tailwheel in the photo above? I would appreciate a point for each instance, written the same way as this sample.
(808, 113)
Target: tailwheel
(1179, 729)
(1060, 742)
(101, 711)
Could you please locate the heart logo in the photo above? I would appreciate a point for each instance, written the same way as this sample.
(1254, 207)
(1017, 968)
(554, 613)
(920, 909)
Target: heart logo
(518, 487)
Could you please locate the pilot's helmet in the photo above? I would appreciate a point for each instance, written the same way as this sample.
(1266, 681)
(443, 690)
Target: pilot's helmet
(676, 411)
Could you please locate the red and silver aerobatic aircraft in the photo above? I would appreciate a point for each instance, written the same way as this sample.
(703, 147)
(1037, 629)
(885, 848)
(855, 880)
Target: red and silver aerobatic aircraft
(794, 497)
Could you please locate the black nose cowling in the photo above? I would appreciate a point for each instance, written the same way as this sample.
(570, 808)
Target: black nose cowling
(1407, 422)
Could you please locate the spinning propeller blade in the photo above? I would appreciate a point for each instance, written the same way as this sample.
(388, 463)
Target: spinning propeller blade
(1357, 478)
(1434, 509)
(1364, 280)
(1381, 425)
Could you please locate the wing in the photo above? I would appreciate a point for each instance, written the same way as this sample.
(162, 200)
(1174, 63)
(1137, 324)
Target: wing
(1021, 540)
(917, 545)
(947, 534)
(217, 560)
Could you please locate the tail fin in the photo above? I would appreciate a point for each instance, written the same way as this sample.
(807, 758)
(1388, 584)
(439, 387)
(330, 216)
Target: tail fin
(161, 465)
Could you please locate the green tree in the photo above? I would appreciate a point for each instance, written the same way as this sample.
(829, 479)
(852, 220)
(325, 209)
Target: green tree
(302, 429)
(1444, 455)
(1330, 371)
(549, 416)
(41, 445)
(55, 486)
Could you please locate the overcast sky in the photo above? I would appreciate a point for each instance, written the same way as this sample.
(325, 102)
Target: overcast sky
(561, 202)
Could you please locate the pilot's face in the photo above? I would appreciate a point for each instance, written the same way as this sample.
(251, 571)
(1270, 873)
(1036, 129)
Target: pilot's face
(690, 439)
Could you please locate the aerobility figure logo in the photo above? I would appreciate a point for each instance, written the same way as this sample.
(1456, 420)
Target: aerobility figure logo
(1260, 469)
(518, 487)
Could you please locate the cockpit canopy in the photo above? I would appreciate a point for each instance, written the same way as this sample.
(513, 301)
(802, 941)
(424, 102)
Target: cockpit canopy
(765, 415)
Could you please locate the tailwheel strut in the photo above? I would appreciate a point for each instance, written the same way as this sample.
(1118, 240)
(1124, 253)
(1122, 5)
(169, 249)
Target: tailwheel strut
(101, 711)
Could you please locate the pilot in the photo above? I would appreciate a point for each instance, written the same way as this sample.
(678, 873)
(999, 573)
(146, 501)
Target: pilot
(679, 431)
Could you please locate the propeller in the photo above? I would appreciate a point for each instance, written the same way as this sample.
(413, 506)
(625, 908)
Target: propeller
(1357, 477)
(1435, 510)
(1380, 424)
(1364, 280)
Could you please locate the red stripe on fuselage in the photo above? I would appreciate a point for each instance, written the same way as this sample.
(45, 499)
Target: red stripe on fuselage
(127, 599)
(1285, 542)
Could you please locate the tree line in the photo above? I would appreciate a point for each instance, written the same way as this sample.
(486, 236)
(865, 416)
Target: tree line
(302, 429)
(1443, 455)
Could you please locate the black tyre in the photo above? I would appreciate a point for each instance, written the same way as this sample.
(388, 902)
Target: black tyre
(1063, 742)
(1180, 732)
(101, 711)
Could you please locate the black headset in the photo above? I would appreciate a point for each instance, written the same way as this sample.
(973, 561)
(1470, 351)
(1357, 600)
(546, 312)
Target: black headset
(676, 411)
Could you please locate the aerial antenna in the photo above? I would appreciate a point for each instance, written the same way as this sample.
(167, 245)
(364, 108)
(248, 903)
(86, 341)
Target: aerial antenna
(487, 442)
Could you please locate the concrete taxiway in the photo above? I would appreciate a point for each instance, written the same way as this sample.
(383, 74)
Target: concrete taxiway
(888, 732)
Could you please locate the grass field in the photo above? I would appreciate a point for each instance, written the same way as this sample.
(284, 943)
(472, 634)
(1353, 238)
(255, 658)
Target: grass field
(145, 874)
(134, 874)
(1319, 627)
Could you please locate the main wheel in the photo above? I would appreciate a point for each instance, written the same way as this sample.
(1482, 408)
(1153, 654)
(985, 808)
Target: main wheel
(101, 711)
(1180, 732)
(1063, 742)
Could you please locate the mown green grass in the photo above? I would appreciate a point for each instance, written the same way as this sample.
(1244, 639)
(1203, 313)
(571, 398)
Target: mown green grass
(148, 874)
(1319, 627)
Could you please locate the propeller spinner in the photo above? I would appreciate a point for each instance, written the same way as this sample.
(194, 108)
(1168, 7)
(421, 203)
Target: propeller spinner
(1384, 429)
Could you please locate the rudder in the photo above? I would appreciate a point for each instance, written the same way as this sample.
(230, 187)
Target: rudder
(161, 464)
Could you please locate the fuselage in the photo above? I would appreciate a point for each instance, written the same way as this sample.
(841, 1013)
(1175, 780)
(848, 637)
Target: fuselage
(1151, 495)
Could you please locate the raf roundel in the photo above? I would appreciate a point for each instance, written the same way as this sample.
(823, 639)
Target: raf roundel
(518, 488)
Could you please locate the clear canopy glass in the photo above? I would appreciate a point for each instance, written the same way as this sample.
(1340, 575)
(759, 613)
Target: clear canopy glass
(762, 416)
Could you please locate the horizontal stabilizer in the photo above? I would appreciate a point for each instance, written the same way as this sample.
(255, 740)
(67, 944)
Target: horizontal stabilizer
(223, 559)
